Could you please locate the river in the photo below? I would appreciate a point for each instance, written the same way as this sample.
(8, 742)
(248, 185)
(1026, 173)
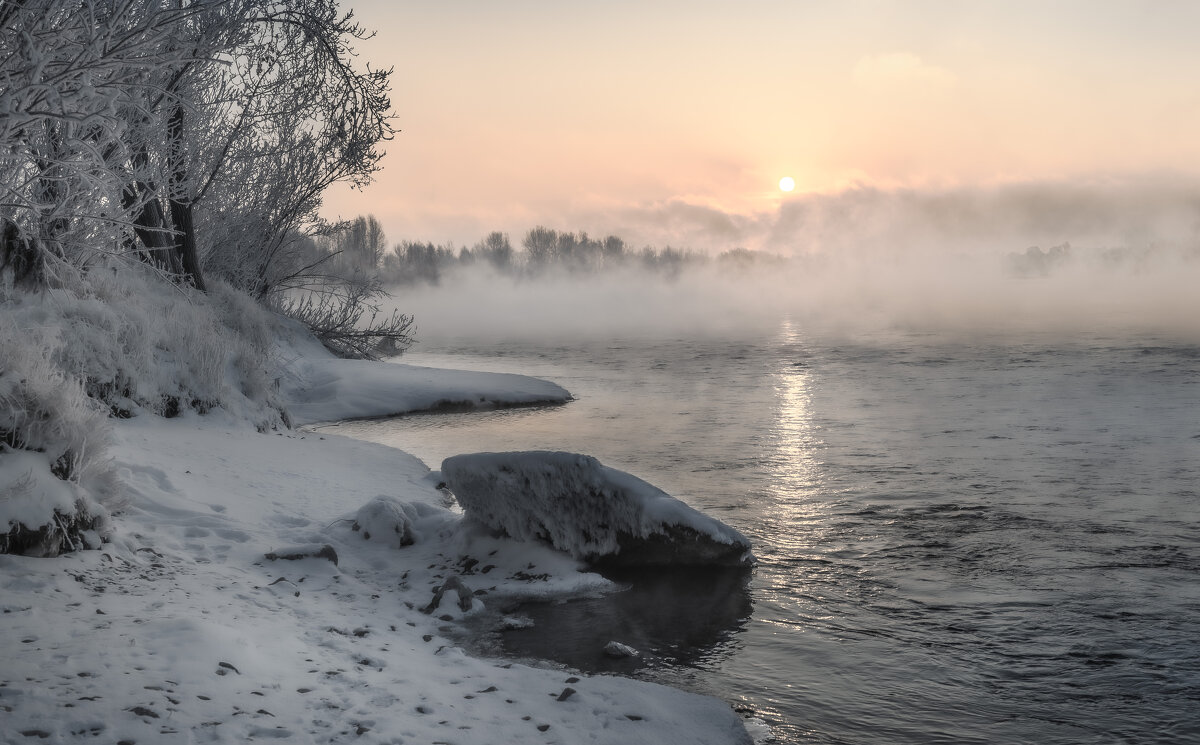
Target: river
(962, 540)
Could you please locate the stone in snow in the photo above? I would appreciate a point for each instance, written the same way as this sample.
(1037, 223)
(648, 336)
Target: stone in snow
(306, 551)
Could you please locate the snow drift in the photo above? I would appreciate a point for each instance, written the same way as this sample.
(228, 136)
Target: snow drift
(595, 513)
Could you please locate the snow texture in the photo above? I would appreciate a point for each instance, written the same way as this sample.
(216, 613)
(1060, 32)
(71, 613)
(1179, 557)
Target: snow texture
(179, 630)
(30, 494)
(588, 510)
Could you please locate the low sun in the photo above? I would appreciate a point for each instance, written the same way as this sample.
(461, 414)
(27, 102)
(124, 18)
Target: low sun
(787, 183)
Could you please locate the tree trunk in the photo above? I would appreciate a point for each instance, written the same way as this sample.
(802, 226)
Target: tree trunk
(19, 255)
(150, 224)
(181, 203)
(185, 242)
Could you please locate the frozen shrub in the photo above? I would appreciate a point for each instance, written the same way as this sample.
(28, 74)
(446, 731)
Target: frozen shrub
(53, 473)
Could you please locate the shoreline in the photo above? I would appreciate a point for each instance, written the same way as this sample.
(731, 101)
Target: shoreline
(449, 407)
(181, 629)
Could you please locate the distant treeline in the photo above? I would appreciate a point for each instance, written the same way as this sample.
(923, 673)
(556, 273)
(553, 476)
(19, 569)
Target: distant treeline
(543, 251)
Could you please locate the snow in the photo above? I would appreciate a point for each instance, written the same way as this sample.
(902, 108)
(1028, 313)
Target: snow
(181, 630)
(322, 388)
(587, 509)
(331, 389)
(52, 442)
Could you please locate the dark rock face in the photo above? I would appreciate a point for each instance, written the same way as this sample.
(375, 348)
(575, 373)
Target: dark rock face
(597, 514)
(676, 545)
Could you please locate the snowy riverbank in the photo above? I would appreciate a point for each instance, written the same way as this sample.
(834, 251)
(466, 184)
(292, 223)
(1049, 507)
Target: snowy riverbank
(180, 630)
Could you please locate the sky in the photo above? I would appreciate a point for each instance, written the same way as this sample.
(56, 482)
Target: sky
(673, 122)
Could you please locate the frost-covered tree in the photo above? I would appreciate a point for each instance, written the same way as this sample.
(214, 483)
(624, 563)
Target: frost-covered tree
(195, 134)
(360, 246)
(297, 115)
(143, 140)
(338, 294)
(78, 84)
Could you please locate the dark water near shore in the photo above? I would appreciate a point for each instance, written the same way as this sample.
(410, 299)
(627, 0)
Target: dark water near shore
(967, 541)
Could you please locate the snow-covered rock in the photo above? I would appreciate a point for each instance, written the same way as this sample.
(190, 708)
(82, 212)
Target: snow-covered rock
(617, 650)
(595, 513)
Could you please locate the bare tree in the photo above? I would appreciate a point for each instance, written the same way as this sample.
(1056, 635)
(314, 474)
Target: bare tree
(346, 318)
(541, 245)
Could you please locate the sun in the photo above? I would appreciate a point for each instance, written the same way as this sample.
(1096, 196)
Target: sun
(787, 183)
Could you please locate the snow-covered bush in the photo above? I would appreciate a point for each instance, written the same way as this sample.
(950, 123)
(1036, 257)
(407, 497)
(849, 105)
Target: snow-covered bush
(112, 340)
(392, 520)
(140, 344)
(53, 473)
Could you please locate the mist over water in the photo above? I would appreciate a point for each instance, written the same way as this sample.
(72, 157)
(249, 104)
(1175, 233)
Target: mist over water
(1144, 292)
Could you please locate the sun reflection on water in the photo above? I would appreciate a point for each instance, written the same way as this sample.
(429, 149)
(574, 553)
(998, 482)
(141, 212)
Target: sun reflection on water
(797, 474)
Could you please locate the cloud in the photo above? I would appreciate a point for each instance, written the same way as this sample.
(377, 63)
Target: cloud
(1114, 213)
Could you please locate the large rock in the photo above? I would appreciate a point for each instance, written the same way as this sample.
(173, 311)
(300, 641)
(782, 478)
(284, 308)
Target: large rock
(595, 513)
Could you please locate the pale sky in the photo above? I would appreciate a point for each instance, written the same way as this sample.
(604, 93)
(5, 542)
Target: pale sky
(661, 119)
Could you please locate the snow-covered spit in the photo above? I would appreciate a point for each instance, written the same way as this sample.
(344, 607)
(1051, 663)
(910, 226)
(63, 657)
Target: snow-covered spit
(181, 629)
(322, 388)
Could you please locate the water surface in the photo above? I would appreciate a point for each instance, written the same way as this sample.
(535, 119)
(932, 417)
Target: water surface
(959, 540)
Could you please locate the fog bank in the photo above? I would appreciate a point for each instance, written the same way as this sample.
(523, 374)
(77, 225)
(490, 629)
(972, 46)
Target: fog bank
(1149, 293)
(1119, 255)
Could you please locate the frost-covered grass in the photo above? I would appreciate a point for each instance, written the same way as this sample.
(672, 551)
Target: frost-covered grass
(138, 343)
